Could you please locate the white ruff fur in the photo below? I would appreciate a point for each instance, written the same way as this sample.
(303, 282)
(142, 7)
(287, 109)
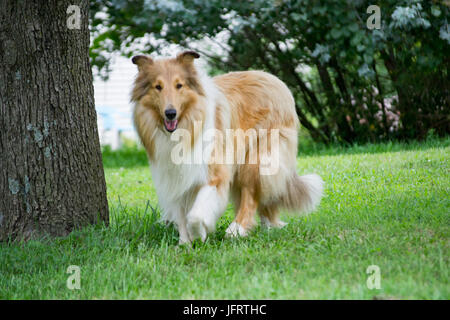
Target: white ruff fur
(176, 183)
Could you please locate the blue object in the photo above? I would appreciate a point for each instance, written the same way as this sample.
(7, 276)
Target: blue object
(109, 116)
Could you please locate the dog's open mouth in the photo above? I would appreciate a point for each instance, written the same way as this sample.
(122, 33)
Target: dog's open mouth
(170, 125)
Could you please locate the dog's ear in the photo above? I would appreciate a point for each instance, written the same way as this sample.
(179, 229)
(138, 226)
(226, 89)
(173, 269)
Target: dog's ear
(187, 57)
(141, 61)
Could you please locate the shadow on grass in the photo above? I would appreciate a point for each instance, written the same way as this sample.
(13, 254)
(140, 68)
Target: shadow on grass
(145, 227)
(137, 227)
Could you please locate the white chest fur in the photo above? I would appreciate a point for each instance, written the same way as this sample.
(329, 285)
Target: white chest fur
(174, 181)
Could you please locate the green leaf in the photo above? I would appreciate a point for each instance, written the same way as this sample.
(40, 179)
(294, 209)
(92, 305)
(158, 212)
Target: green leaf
(353, 27)
(336, 33)
(435, 11)
(360, 47)
(368, 58)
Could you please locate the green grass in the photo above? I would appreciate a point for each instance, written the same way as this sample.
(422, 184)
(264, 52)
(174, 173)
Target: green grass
(385, 204)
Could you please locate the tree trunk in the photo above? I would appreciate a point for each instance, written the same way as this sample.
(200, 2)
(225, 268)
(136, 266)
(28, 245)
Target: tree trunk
(51, 171)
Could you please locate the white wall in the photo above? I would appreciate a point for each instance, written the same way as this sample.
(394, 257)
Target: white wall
(113, 97)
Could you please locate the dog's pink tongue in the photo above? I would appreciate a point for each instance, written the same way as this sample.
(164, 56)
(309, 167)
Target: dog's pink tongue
(171, 124)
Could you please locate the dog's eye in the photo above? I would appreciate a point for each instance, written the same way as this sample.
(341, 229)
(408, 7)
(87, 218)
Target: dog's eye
(158, 87)
(179, 85)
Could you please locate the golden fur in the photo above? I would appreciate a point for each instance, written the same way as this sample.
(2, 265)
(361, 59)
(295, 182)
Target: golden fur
(244, 100)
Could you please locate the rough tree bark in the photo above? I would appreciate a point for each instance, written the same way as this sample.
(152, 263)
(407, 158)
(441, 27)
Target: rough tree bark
(51, 171)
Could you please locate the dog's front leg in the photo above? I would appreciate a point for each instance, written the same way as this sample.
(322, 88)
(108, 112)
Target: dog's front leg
(174, 213)
(208, 206)
(182, 230)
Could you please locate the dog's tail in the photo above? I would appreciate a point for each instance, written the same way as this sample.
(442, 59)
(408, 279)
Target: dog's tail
(303, 193)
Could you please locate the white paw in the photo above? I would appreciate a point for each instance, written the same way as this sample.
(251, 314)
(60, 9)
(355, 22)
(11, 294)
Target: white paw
(183, 240)
(280, 224)
(196, 229)
(265, 223)
(235, 230)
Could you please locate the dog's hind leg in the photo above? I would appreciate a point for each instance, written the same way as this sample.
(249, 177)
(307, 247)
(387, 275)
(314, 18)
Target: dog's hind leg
(270, 217)
(245, 217)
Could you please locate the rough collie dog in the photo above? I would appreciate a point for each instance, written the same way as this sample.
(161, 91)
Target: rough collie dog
(178, 107)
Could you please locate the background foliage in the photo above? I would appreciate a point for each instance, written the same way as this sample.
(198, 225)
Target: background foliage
(351, 84)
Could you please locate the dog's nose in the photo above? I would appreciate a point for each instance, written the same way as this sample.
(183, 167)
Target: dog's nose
(170, 113)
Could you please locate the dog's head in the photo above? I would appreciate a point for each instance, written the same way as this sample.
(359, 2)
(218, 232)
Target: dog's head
(169, 87)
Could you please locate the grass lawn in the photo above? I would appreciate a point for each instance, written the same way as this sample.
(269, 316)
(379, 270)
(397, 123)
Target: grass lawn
(385, 204)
